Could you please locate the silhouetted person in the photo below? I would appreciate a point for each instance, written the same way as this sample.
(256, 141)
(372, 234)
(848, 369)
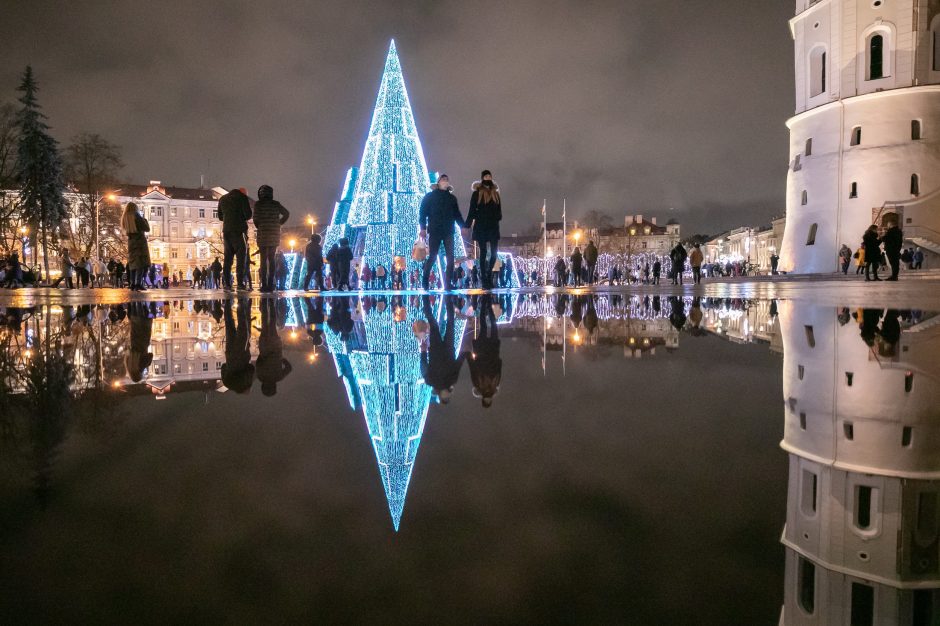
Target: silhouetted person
(344, 257)
(269, 216)
(590, 259)
(576, 259)
(238, 373)
(871, 244)
(869, 325)
(486, 367)
(893, 241)
(441, 369)
(138, 357)
(657, 271)
(483, 217)
(235, 211)
(313, 254)
(677, 315)
(271, 367)
(890, 333)
(438, 215)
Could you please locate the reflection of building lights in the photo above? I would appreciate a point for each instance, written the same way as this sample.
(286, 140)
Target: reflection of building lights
(116, 384)
(312, 357)
(293, 335)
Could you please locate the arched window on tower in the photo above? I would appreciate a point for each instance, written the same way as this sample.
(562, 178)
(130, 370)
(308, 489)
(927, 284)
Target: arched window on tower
(915, 185)
(811, 236)
(809, 147)
(935, 35)
(876, 57)
(917, 131)
(805, 198)
(817, 71)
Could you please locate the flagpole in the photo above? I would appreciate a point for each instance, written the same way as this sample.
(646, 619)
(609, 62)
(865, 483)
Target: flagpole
(544, 241)
(564, 233)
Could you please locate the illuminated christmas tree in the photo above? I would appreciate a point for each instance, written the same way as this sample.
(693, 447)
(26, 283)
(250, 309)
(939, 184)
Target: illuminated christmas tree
(378, 211)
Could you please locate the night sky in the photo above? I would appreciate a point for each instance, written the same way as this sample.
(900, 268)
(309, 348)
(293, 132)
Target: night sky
(668, 109)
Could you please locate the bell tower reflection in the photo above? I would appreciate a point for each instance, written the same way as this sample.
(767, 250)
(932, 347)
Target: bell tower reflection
(862, 430)
(376, 346)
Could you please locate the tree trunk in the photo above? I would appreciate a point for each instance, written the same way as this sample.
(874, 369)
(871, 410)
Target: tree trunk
(45, 252)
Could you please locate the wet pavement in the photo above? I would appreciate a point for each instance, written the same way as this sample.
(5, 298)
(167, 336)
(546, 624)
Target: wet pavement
(738, 453)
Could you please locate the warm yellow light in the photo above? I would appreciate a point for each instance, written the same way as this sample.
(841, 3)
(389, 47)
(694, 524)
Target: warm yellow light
(116, 384)
(292, 243)
(310, 220)
(111, 197)
(24, 230)
(293, 335)
(28, 353)
(312, 357)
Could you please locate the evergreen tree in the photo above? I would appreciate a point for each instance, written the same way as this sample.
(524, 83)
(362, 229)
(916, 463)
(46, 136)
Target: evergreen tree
(39, 173)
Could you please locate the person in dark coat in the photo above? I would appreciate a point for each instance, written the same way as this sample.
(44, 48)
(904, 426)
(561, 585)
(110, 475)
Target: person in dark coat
(486, 366)
(235, 211)
(576, 259)
(590, 259)
(269, 216)
(678, 255)
(439, 366)
(280, 273)
(270, 367)
(657, 271)
(139, 358)
(238, 373)
(344, 257)
(216, 268)
(486, 211)
(893, 241)
(560, 270)
(872, 245)
(439, 212)
(313, 255)
(138, 252)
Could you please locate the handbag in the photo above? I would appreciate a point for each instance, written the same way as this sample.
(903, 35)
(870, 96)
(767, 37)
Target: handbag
(419, 252)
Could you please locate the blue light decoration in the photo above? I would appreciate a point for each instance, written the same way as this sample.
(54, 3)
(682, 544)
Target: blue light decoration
(378, 209)
(381, 367)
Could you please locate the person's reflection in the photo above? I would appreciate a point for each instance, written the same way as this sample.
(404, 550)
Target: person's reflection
(139, 358)
(238, 373)
(486, 366)
(561, 305)
(869, 325)
(695, 318)
(577, 304)
(271, 367)
(677, 316)
(890, 333)
(315, 319)
(340, 321)
(441, 369)
(590, 316)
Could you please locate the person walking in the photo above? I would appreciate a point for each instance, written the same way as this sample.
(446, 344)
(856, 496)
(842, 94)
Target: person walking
(381, 275)
(774, 263)
(235, 211)
(313, 255)
(483, 217)
(576, 260)
(138, 252)
(485, 364)
(344, 257)
(871, 244)
(216, 268)
(269, 215)
(696, 258)
(590, 260)
(439, 212)
(860, 259)
(893, 240)
(918, 257)
(657, 271)
(845, 258)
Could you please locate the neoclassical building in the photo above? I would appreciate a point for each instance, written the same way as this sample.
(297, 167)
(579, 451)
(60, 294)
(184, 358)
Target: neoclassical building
(865, 141)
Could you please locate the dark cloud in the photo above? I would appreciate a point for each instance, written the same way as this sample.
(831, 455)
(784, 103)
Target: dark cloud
(622, 106)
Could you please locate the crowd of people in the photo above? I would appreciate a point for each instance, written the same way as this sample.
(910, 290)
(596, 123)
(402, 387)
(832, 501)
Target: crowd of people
(881, 252)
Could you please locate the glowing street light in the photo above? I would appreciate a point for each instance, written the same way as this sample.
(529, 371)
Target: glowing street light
(292, 243)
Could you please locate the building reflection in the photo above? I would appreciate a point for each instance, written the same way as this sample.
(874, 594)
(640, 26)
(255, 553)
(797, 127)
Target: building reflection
(862, 432)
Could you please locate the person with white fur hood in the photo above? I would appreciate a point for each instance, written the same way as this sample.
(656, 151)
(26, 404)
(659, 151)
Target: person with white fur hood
(486, 211)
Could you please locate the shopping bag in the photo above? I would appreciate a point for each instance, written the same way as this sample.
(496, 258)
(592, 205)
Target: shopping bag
(419, 252)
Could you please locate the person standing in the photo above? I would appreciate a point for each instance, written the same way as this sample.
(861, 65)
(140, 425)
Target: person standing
(269, 216)
(576, 259)
(678, 257)
(774, 263)
(439, 212)
(270, 367)
(696, 258)
(344, 257)
(235, 211)
(657, 271)
(483, 217)
(860, 259)
(872, 247)
(441, 369)
(216, 268)
(918, 257)
(237, 372)
(893, 241)
(138, 252)
(313, 255)
(486, 366)
(590, 259)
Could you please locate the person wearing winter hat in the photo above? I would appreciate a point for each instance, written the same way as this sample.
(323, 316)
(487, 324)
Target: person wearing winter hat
(439, 212)
(486, 211)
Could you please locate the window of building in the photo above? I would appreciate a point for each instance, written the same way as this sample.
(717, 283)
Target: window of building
(805, 198)
(848, 429)
(172, 211)
(853, 193)
(817, 71)
(810, 336)
(806, 585)
(156, 211)
(797, 163)
(205, 367)
(876, 57)
(864, 499)
(811, 237)
(809, 146)
(856, 136)
(936, 44)
(202, 213)
(156, 230)
(174, 253)
(863, 605)
(916, 130)
(809, 493)
(915, 185)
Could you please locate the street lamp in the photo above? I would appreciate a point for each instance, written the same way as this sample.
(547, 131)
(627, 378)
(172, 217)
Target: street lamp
(110, 197)
(292, 243)
(312, 221)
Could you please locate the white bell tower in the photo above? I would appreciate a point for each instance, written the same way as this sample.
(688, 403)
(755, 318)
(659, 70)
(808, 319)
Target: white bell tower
(865, 141)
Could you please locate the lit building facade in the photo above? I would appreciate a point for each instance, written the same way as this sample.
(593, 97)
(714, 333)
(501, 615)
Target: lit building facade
(865, 141)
